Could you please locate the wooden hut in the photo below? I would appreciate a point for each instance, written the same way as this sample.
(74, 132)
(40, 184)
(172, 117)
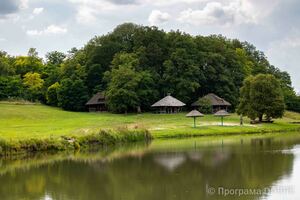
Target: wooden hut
(97, 103)
(217, 103)
(168, 104)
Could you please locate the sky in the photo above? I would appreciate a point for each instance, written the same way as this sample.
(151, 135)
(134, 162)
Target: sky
(273, 26)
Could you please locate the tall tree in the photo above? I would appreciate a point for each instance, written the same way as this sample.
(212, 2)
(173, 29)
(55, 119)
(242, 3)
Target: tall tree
(34, 83)
(181, 75)
(30, 63)
(261, 96)
(128, 89)
(72, 94)
(11, 87)
(6, 67)
(55, 58)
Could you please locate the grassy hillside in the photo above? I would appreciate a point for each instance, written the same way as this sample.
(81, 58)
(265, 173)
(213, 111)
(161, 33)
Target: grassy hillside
(18, 122)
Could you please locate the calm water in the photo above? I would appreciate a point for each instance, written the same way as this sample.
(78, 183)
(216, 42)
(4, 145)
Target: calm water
(257, 167)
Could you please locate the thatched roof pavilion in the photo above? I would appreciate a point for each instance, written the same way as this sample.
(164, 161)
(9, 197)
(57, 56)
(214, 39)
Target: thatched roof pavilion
(222, 114)
(216, 102)
(97, 103)
(194, 114)
(168, 104)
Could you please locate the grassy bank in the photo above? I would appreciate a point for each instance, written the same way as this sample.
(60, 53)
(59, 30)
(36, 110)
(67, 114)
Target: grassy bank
(103, 138)
(39, 127)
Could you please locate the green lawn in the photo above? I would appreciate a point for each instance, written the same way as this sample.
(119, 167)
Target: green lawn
(39, 121)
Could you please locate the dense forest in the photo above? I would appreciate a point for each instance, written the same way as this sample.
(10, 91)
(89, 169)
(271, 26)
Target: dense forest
(137, 65)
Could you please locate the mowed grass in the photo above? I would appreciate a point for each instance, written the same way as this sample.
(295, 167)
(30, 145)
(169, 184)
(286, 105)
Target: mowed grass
(19, 122)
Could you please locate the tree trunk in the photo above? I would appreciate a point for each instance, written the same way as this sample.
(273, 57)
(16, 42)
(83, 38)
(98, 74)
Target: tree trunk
(260, 118)
(139, 110)
(241, 120)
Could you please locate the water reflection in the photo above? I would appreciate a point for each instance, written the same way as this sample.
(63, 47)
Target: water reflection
(170, 161)
(162, 170)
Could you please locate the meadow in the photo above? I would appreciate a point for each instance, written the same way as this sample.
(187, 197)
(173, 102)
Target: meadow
(35, 121)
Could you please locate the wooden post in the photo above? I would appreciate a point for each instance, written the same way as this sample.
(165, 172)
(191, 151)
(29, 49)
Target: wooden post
(222, 120)
(194, 122)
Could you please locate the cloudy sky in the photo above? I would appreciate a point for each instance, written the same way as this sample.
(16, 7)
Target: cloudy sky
(273, 26)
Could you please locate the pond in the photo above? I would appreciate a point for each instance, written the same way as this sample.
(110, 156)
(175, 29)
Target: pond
(251, 167)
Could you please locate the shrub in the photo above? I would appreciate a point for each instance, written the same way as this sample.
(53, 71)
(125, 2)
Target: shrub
(204, 105)
(51, 95)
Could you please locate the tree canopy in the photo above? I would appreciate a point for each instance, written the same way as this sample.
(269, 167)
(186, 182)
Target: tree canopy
(136, 65)
(261, 95)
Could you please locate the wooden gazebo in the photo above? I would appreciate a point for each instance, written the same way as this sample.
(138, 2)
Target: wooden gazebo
(97, 103)
(168, 104)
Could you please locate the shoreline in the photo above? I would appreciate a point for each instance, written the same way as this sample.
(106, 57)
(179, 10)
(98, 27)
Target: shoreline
(37, 128)
(109, 138)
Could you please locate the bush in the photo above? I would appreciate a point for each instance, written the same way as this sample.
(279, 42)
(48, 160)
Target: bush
(10, 87)
(204, 106)
(72, 95)
(51, 95)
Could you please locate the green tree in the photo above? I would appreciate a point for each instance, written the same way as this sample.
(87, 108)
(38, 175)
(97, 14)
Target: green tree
(34, 84)
(52, 70)
(72, 94)
(33, 81)
(30, 63)
(261, 96)
(160, 62)
(52, 94)
(147, 91)
(73, 67)
(11, 87)
(55, 58)
(121, 94)
(292, 101)
(123, 83)
(204, 105)
(181, 75)
(128, 89)
(6, 68)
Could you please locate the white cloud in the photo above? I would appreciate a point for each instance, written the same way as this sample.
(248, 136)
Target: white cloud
(2, 39)
(88, 10)
(235, 12)
(33, 32)
(86, 14)
(157, 17)
(284, 53)
(50, 30)
(37, 11)
(53, 29)
(23, 4)
(228, 12)
(172, 2)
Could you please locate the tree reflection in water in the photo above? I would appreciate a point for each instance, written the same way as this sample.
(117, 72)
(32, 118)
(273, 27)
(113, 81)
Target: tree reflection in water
(147, 173)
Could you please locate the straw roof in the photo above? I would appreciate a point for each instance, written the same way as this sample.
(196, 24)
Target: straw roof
(168, 101)
(97, 99)
(214, 100)
(221, 113)
(194, 113)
